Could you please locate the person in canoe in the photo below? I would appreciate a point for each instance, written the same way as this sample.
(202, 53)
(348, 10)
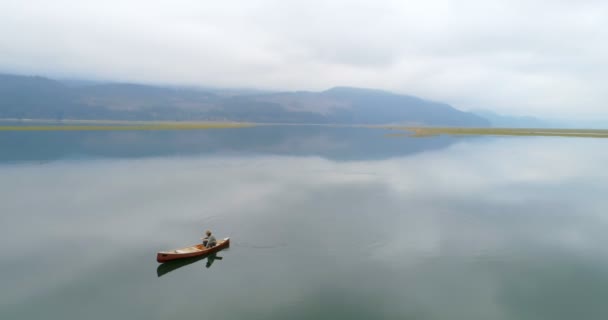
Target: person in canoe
(209, 241)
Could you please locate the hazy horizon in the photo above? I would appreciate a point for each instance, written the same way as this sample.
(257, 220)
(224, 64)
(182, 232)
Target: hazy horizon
(542, 58)
(544, 120)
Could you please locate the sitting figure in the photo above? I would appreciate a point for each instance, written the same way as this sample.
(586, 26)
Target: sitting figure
(209, 241)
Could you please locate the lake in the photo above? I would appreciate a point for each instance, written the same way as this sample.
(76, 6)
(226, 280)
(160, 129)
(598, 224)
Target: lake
(325, 223)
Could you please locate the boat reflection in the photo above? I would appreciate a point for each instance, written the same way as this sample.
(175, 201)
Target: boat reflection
(167, 267)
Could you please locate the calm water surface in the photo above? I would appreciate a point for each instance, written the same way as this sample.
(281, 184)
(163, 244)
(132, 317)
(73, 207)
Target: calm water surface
(326, 223)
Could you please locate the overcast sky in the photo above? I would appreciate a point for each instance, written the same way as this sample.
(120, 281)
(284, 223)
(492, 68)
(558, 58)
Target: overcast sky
(545, 57)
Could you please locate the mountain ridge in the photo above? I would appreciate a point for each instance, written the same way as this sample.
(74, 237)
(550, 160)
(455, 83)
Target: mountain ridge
(40, 97)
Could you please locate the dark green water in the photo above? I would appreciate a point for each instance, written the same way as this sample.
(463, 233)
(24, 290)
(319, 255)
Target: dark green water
(326, 223)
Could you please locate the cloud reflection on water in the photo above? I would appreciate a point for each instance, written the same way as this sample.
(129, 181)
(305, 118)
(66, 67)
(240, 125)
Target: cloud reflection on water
(492, 229)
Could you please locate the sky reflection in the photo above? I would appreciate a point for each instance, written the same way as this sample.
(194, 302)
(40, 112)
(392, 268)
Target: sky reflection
(483, 229)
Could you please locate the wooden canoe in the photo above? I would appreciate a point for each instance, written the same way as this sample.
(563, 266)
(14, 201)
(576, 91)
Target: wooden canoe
(191, 251)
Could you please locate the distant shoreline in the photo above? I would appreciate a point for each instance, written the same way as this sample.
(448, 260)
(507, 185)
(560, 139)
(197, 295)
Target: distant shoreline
(105, 121)
(115, 125)
(414, 131)
(541, 132)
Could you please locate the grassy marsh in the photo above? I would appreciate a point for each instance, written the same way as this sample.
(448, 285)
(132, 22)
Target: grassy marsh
(103, 125)
(128, 126)
(433, 131)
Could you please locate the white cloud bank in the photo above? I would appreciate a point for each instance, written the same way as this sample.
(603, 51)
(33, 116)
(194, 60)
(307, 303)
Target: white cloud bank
(529, 57)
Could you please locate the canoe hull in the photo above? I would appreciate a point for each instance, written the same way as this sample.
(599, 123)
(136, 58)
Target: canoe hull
(191, 251)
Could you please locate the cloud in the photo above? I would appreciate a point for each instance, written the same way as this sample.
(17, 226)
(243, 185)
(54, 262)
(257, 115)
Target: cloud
(532, 57)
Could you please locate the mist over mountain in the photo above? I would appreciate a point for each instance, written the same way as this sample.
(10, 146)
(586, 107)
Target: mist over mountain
(510, 121)
(23, 97)
(514, 121)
